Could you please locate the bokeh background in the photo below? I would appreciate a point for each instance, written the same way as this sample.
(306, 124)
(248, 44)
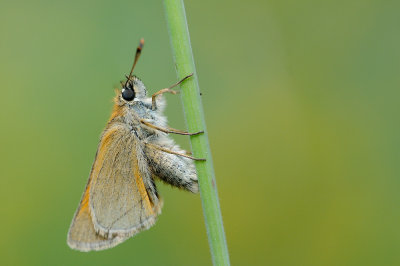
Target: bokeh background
(302, 106)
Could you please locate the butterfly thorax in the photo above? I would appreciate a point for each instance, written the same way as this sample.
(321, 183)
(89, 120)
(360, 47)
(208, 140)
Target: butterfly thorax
(132, 113)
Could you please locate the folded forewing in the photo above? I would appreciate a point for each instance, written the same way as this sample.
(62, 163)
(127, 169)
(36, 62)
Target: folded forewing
(119, 201)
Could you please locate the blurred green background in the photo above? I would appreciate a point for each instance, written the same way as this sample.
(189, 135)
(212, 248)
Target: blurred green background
(302, 106)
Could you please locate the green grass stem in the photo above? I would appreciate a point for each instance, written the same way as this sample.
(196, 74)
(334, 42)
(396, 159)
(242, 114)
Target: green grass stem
(184, 62)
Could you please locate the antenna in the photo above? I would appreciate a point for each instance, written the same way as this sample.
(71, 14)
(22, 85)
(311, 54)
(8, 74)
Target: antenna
(137, 55)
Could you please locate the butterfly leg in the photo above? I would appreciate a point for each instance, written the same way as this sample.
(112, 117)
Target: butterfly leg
(169, 89)
(153, 97)
(173, 152)
(169, 130)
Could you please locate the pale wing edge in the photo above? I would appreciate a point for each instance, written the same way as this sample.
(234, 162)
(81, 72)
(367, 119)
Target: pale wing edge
(107, 233)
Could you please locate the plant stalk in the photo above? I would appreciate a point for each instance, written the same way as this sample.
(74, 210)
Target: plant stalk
(191, 98)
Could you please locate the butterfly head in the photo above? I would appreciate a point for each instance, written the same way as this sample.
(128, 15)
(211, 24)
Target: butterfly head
(133, 89)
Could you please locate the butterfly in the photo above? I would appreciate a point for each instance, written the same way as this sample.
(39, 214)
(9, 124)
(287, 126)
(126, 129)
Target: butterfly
(121, 198)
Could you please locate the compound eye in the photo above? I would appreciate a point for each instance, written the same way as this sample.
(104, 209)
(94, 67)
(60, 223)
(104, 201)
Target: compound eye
(128, 94)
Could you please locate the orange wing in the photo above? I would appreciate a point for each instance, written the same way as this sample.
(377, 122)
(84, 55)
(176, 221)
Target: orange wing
(117, 202)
